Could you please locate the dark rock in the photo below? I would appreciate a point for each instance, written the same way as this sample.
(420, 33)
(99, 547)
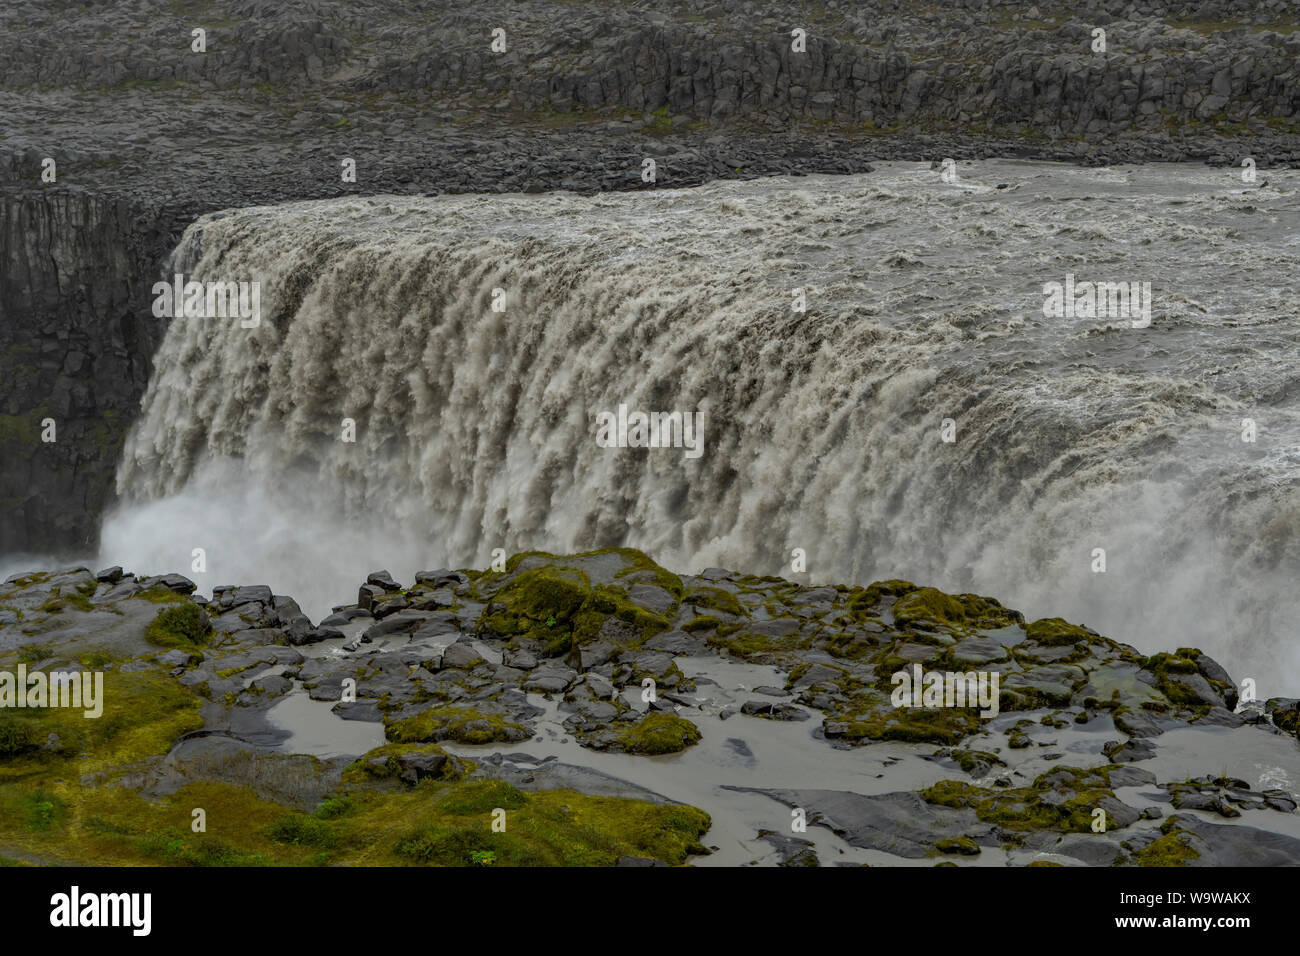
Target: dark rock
(384, 580)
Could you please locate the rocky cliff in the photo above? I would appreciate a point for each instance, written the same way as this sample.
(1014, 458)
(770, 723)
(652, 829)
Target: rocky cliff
(76, 337)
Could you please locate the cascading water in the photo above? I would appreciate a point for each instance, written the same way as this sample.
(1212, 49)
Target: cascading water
(824, 430)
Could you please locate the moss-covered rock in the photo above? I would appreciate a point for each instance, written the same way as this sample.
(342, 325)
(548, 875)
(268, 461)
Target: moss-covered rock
(1172, 848)
(961, 612)
(1062, 799)
(558, 604)
(462, 724)
(1054, 632)
(713, 599)
(659, 733)
(964, 846)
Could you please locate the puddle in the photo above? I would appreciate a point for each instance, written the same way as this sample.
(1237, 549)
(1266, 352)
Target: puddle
(315, 729)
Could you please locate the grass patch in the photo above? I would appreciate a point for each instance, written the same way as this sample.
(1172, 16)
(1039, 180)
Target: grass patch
(182, 626)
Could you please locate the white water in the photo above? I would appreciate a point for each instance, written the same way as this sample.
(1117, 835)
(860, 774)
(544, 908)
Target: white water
(476, 430)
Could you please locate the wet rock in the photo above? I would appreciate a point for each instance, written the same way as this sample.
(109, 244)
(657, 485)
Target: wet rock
(421, 764)
(363, 710)
(654, 599)
(1219, 717)
(461, 654)
(275, 685)
(1129, 751)
(257, 593)
(368, 596)
(1093, 849)
(345, 616)
(1236, 844)
(716, 574)
(441, 578)
(550, 678)
(173, 582)
(315, 635)
(435, 600)
(978, 650)
(1198, 686)
(678, 643)
(523, 660)
(399, 621)
(179, 658)
(383, 580)
(1138, 723)
(773, 711)
(383, 609)
(900, 823)
(438, 625)
(792, 850)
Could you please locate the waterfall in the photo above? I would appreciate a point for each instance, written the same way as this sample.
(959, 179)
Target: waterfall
(823, 430)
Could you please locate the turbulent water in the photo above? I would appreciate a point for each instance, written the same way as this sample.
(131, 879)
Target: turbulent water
(823, 430)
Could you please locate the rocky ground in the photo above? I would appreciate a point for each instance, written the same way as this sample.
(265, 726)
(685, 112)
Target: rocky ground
(619, 713)
(146, 134)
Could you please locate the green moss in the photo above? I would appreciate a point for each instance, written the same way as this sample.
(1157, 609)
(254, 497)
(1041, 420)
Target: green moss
(853, 645)
(963, 845)
(958, 611)
(1062, 799)
(453, 722)
(35, 653)
(941, 725)
(744, 644)
(24, 428)
(340, 805)
(702, 623)
(1055, 632)
(605, 600)
(558, 605)
(1171, 849)
(537, 596)
(713, 599)
(59, 600)
(162, 595)
(182, 626)
(42, 810)
(143, 713)
(659, 733)
(551, 828)
(303, 830)
(368, 767)
(483, 797)
(18, 736)
(641, 569)
(861, 599)
(29, 580)
(1165, 666)
(970, 760)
